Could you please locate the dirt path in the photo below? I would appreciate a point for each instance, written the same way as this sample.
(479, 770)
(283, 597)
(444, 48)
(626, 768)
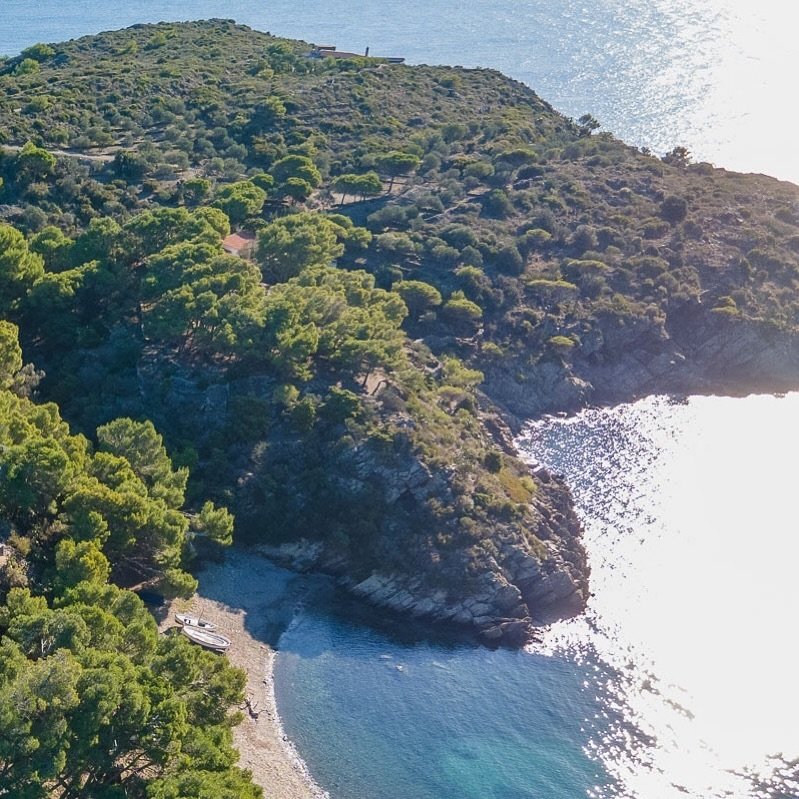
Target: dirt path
(250, 600)
(104, 158)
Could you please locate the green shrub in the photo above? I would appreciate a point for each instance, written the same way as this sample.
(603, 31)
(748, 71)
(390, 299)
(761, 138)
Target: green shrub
(28, 66)
(493, 461)
(520, 489)
(462, 313)
(418, 296)
(497, 204)
(674, 209)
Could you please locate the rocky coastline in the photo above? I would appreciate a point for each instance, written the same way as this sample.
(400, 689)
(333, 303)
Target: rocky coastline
(521, 587)
(700, 354)
(692, 352)
(533, 576)
(519, 592)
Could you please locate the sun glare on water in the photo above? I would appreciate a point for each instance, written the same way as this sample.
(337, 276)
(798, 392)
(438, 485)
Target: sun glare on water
(694, 546)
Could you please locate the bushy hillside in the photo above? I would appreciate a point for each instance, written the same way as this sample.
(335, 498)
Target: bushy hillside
(585, 264)
(434, 253)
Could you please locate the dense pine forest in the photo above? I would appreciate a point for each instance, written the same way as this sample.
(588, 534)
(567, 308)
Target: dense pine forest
(427, 256)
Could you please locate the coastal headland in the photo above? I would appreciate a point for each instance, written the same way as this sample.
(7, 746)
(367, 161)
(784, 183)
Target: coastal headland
(304, 304)
(433, 255)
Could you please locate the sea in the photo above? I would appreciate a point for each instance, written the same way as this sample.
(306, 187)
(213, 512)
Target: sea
(680, 679)
(679, 682)
(715, 76)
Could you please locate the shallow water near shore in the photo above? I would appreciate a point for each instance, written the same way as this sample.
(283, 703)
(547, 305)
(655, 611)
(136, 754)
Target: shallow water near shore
(716, 76)
(678, 681)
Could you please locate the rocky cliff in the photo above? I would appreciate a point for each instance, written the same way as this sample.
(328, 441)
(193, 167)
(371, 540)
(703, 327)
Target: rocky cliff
(497, 576)
(515, 590)
(524, 574)
(691, 351)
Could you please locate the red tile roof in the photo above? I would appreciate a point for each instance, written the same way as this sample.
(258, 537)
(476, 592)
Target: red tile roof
(238, 241)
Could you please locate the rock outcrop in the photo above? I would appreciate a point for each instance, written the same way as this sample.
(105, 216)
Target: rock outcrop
(528, 575)
(512, 577)
(693, 351)
(514, 593)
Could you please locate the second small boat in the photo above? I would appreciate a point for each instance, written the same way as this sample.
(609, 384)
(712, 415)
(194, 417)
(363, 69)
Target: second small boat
(194, 621)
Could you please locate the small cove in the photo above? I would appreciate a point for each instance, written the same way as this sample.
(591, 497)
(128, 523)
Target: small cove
(680, 677)
(677, 682)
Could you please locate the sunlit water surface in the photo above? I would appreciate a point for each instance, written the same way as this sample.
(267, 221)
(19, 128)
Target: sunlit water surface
(690, 523)
(680, 680)
(716, 76)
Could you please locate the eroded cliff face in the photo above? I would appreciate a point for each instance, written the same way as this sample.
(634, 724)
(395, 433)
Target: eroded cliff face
(521, 579)
(691, 351)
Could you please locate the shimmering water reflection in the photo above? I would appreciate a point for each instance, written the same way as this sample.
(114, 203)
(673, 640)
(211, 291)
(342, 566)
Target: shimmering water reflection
(716, 76)
(689, 512)
(678, 682)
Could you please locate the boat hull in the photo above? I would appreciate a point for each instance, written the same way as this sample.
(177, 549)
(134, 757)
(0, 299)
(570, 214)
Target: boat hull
(208, 640)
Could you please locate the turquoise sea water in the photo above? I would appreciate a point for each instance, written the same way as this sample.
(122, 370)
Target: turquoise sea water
(678, 682)
(380, 716)
(716, 76)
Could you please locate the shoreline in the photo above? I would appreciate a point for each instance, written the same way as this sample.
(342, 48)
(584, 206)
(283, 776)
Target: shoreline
(289, 749)
(248, 597)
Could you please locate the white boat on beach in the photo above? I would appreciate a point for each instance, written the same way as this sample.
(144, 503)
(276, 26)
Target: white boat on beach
(194, 621)
(207, 639)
